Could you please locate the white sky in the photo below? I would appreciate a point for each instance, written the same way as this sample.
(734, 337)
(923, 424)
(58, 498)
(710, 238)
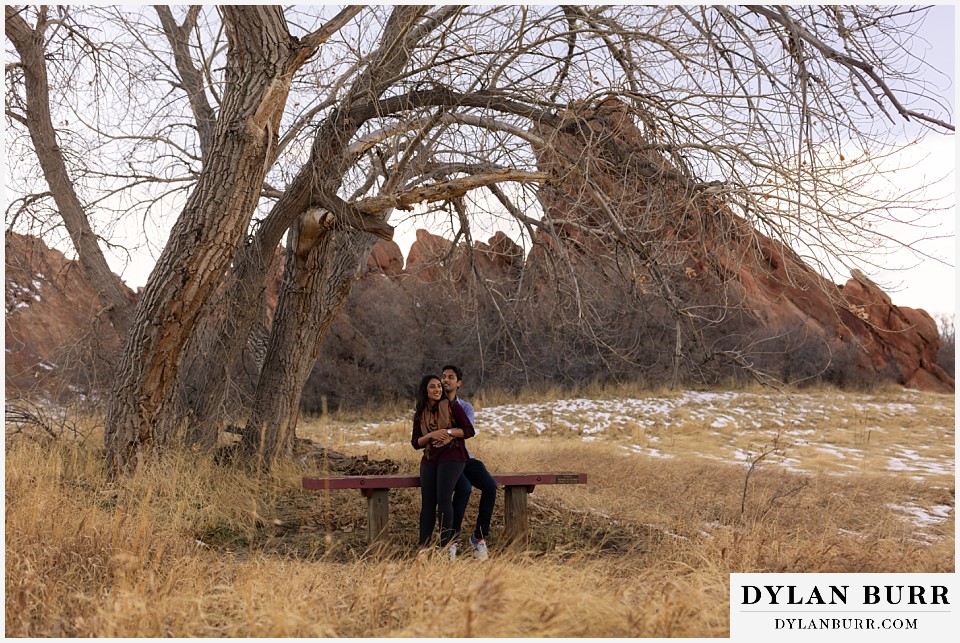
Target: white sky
(911, 280)
(918, 282)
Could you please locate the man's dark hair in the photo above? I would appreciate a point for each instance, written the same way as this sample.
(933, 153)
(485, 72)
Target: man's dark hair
(451, 367)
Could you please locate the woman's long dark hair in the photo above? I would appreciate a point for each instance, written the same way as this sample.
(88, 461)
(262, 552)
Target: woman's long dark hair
(422, 399)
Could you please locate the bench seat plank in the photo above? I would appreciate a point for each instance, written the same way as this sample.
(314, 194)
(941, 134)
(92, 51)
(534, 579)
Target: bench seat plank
(402, 481)
(376, 487)
(361, 482)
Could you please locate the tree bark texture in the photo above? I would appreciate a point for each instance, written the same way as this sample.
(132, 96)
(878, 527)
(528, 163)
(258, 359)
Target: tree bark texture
(29, 43)
(316, 289)
(316, 184)
(204, 239)
(208, 387)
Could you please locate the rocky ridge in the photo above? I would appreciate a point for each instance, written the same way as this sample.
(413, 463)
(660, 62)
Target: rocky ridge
(406, 317)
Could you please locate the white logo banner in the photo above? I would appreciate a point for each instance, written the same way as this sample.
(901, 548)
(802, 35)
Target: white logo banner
(847, 607)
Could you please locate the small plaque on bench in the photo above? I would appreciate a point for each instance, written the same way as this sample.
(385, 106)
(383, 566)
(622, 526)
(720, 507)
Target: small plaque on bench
(568, 478)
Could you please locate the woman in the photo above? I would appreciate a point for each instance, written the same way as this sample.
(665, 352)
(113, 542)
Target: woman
(439, 428)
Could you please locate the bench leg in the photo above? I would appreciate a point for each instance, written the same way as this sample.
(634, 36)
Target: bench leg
(515, 513)
(378, 514)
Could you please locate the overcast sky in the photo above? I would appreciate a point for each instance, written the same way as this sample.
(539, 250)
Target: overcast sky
(927, 283)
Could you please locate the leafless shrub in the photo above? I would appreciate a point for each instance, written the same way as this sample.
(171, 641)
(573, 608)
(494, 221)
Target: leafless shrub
(38, 421)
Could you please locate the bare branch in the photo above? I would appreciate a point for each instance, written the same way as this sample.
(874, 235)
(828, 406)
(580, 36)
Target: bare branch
(190, 77)
(831, 54)
(314, 39)
(448, 190)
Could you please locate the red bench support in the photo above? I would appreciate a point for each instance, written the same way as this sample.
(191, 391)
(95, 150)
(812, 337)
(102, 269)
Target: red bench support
(517, 486)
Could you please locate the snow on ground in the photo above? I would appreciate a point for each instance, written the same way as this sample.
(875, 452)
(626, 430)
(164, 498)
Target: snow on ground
(744, 426)
(765, 422)
(924, 517)
(836, 434)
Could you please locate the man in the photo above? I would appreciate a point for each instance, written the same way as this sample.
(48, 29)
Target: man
(474, 474)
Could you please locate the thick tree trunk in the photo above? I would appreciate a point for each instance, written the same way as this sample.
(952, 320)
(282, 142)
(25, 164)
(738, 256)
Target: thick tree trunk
(208, 391)
(316, 289)
(202, 390)
(204, 239)
(29, 43)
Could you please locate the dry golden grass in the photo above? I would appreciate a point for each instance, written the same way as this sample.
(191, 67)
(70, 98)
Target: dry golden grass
(188, 548)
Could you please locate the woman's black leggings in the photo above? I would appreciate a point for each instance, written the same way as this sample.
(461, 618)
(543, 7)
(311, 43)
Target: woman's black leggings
(436, 490)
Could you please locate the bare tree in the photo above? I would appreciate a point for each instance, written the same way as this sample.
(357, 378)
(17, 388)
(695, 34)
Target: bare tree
(639, 130)
(36, 116)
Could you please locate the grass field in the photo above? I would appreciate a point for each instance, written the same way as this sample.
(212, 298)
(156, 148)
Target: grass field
(684, 489)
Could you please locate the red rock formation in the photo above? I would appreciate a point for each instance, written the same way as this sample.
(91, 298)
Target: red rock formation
(431, 259)
(386, 257)
(708, 248)
(425, 256)
(907, 337)
(55, 337)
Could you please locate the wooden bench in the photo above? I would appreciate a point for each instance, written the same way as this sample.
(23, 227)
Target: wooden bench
(376, 489)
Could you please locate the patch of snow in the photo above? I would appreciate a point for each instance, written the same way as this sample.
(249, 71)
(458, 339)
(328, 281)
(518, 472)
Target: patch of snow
(847, 532)
(941, 511)
(922, 517)
(788, 462)
(910, 454)
(840, 452)
(924, 465)
(653, 453)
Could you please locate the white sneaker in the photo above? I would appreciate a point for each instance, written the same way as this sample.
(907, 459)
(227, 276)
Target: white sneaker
(479, 548)
(452, 551)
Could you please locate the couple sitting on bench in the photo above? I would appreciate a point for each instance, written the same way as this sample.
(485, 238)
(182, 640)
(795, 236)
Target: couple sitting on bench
(441, 424)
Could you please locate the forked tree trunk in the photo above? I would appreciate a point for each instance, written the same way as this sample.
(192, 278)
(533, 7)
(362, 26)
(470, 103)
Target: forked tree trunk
(217, 348)
(203, 393)
(316, 290)
(204, 239)
(228, 324)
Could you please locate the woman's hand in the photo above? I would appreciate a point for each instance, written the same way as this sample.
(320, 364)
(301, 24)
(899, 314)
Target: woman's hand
(435, 437)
